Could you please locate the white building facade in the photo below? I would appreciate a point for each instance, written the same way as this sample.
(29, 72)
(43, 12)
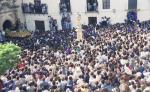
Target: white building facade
(89, 11)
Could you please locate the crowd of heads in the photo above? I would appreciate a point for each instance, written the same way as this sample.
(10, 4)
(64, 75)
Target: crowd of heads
(112, 59)
(59, 39)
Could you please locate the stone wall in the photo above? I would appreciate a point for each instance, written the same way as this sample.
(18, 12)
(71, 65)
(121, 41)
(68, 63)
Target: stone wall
(7, 16)
(8, 11)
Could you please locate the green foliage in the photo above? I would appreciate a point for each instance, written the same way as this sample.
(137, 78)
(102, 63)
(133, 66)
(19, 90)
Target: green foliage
(9, 56)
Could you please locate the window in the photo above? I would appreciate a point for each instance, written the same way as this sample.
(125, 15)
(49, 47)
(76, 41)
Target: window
(36, 8)
(132, 4)
(106, 4)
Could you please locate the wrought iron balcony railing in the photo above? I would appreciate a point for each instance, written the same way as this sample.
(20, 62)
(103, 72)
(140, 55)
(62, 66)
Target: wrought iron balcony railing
(63, 7)
(92, 7)
(34, 9)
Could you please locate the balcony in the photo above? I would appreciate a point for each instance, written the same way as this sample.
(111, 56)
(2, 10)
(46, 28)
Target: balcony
(66, 22)
(64, 6)
(65, 11)
(92, 6)
(34, 9)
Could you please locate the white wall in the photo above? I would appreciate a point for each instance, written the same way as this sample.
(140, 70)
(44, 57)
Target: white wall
(7, 16)
(117, 12)
(20, 15)
(53, 8)
(30, 20)
(119, 6)
(144, 10)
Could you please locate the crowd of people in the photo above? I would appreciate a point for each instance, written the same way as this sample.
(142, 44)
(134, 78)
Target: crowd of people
(112, 59)
(56, 39)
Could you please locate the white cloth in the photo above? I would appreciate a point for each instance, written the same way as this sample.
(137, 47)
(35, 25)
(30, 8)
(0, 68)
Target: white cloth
(123, 61)
(147, 89)
(144, 54)
(127, 70)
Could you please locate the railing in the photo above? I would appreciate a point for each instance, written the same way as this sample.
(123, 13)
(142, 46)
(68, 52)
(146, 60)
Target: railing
(66, 21)
(35, 9)
(63, 7)
(92, 7)
(65, 10)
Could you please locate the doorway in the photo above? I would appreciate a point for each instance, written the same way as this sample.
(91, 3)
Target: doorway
(7, 25)
(132, 4)
(39, 25)
(92, 20)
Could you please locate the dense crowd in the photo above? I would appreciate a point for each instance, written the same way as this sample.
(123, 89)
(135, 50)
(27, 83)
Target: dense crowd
(58, 39)
(112, 59)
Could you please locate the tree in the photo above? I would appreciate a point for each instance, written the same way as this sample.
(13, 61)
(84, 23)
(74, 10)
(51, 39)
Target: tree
(9, 56)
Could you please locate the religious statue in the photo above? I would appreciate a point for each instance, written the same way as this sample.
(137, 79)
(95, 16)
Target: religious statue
(79, 21)
(79, 29)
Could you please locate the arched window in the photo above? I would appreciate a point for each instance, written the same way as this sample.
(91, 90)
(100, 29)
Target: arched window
(7, 25)
(106, 4)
